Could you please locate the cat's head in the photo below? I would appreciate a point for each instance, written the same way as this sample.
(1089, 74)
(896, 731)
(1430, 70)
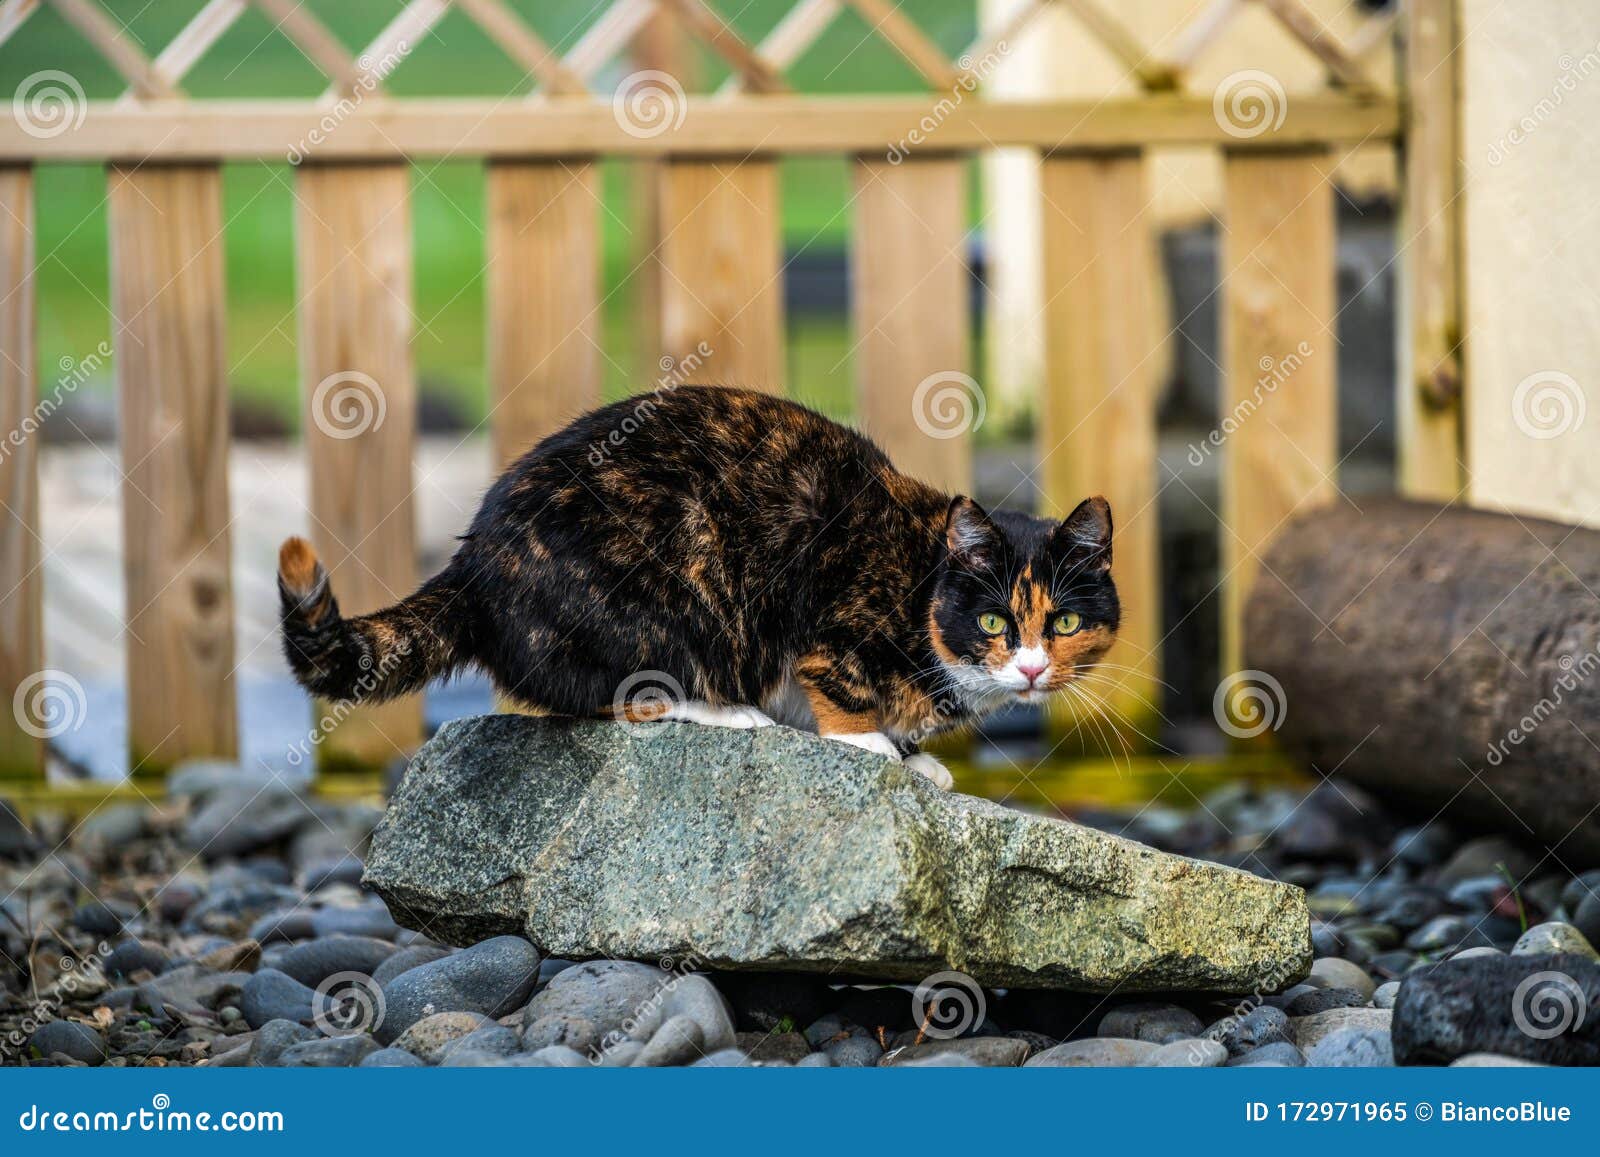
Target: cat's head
(1023, 604)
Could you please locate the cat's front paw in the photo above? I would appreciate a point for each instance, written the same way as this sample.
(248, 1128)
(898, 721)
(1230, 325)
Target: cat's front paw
(711, 715)
(874, 741)
(932, 768)
(750, 717)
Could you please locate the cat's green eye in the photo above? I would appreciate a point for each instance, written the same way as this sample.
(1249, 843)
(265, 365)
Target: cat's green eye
(992, 624)
(1069, 623)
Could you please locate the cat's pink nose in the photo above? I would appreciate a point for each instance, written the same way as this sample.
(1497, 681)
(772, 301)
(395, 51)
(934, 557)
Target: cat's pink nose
(1032, 673)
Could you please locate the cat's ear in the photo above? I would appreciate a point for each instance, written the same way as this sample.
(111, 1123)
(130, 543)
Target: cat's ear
(1087, 531)
(972, 538)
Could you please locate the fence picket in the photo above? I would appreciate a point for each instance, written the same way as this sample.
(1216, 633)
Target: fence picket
(721, 270)
(169, 327)
(543, 299)
(1097, 425)
(911, 302)
(1428, 408)
(354, 284)
(21, 583)
(1278, 269)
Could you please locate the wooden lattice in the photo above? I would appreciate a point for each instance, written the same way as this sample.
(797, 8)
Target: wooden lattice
(758, 68)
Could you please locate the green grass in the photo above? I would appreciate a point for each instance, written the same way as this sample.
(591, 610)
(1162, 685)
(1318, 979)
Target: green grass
(253, 60)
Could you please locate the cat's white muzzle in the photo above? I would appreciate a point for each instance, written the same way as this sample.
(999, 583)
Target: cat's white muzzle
(1026, 674)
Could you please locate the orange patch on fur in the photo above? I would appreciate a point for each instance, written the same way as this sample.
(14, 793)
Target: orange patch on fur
(835, 720)
(908, 708)
(936, 638)
(297, 565)
(301, 573)
(1069, 652)
(1030, 607)
(639, 712)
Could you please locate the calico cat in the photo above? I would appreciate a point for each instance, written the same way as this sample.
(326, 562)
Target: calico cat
(723, 556)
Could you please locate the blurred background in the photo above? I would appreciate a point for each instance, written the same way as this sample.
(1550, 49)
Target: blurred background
(1057, 56)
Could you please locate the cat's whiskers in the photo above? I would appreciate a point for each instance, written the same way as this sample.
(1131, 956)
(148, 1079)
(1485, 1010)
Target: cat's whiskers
(977, 687)
(1096, 709)
(1100, 665)
(1090, 712)
(991, 585)
(1112, 681)
(1117, 716)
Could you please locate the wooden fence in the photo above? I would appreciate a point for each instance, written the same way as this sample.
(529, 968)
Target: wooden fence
(722, 268)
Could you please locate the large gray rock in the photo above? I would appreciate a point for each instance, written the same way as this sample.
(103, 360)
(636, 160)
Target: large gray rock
(773, 849)
(1538, 1008)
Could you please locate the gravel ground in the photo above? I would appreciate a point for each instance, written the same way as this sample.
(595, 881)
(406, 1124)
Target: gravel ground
(229, 927)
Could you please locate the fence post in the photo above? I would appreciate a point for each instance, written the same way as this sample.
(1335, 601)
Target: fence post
(721, 270)
(542, 298)
(1279, 419)
(1429, 404)
(354, 284)
(911, 297)
(169, 322)
(21, 581)
(663, 45)
(1097, 415)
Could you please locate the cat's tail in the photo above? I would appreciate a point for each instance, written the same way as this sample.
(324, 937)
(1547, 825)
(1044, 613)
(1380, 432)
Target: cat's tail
(370, 657)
